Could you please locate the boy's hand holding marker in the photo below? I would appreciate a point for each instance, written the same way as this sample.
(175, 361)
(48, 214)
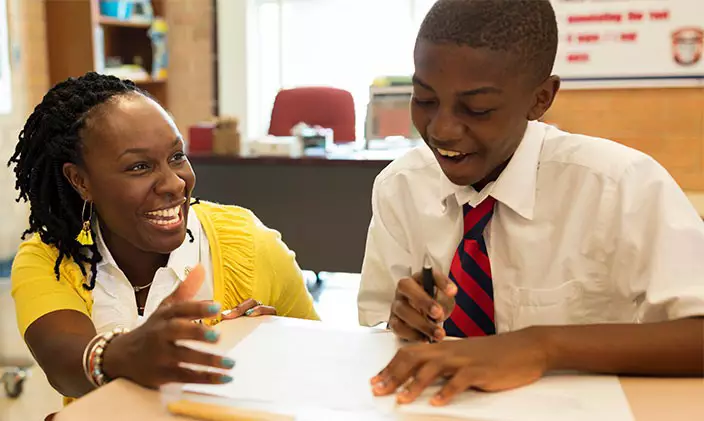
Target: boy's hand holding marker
(415, 314)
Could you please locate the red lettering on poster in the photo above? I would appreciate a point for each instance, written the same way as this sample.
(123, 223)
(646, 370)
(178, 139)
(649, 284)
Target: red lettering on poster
(635, 16)
(629, 36)
(660, 15)
(596, 18)
(578, 58)
(588, 38)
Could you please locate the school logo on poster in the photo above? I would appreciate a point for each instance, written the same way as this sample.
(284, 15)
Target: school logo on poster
(687, 45)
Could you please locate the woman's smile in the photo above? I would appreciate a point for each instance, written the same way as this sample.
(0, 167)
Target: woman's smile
(168, 219)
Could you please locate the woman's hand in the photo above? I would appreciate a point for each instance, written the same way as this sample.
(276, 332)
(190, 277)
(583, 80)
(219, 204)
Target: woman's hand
(491, 363)
(150, 355)
(249, 308)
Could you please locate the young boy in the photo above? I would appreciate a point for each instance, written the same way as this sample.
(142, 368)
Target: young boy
(582, 254)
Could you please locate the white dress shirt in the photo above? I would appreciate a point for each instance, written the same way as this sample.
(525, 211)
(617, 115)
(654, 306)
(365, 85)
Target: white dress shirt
(585, 230)
(114, 298)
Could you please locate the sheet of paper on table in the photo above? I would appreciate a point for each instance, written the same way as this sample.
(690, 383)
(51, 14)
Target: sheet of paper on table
(301, 366)
(327, 368)
(558, 398)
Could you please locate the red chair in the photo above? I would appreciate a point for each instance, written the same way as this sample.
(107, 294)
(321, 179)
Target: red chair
(330, 108)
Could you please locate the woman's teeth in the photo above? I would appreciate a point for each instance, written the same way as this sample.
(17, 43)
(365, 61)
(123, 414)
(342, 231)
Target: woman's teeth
(449, 154)
(165, 216)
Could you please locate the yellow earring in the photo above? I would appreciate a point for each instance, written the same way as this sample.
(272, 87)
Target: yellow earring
(85, 237)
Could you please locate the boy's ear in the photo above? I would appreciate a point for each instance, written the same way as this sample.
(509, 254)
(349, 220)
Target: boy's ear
(544, 96)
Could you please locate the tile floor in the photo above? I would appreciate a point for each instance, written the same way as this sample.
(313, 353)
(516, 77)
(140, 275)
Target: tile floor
(335, 302)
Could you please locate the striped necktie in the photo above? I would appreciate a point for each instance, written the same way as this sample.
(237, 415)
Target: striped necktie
(473, 314)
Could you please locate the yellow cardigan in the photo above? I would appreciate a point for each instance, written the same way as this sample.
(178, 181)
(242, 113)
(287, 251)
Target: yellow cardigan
(249, 261)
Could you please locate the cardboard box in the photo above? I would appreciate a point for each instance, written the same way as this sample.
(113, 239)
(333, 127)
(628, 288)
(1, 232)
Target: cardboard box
(226, 136)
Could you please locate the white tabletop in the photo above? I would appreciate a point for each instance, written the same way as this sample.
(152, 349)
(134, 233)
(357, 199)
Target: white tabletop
(650, 399)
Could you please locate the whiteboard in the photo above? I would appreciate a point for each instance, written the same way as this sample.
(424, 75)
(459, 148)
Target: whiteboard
(5, 76)
(630, 39)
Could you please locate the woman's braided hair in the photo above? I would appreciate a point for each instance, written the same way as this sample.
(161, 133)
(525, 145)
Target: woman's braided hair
(50, 138)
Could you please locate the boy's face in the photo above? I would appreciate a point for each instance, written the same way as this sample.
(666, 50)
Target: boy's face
(471, 106)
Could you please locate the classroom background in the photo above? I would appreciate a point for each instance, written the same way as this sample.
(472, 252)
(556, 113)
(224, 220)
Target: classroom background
(292, 107)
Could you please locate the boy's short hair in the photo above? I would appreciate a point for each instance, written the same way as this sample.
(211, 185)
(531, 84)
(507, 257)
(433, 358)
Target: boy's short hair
(526, 28)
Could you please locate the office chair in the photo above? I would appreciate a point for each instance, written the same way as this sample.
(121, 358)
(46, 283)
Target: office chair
(330, 108)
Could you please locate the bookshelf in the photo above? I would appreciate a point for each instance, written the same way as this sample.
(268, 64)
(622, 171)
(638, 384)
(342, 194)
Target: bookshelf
(80, 40)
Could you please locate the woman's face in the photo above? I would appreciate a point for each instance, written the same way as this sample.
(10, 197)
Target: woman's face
(136, 174)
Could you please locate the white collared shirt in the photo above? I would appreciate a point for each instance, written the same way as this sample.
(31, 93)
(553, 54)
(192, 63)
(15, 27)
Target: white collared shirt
(115, 304)
(585, 230)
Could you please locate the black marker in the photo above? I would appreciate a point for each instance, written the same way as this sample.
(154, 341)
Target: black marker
(428, 282)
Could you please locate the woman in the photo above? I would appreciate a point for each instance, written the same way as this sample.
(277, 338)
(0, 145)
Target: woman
(119, 244)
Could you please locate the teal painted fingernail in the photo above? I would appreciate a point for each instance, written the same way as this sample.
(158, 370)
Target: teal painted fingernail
(225, 378)
(212, 336)
(214, 308)
(249, 312)
(228, 362)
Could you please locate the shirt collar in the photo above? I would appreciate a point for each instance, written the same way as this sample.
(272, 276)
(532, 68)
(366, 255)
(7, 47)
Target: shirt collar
(107, 259)
(181, 260)
(516, 186)
(187, 256)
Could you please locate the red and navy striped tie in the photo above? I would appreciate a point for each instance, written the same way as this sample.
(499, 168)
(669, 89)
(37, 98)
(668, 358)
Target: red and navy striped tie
(473, 314)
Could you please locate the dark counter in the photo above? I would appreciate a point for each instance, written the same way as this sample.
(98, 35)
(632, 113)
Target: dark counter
(321, 206)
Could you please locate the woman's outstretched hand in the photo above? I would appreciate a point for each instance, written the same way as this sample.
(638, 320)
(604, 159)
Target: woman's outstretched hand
(150, 355)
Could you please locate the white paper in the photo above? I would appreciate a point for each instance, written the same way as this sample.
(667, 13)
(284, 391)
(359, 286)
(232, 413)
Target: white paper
(558, 398)
(292, 367)
(307, 367)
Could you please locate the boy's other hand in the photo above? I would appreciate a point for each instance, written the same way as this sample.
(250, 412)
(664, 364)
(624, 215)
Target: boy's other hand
(415, 315)
(491, 363)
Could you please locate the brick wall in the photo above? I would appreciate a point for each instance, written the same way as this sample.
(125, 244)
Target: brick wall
(190, 93)
(29, 82)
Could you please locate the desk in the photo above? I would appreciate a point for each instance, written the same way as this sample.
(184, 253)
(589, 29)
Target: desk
(650, 399)
(321, 206)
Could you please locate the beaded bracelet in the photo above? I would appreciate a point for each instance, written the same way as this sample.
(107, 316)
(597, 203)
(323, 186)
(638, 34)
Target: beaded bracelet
(93, 356)
(87, 352)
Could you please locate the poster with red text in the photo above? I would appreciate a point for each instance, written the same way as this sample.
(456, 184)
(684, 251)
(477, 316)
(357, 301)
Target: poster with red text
(652, 40)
